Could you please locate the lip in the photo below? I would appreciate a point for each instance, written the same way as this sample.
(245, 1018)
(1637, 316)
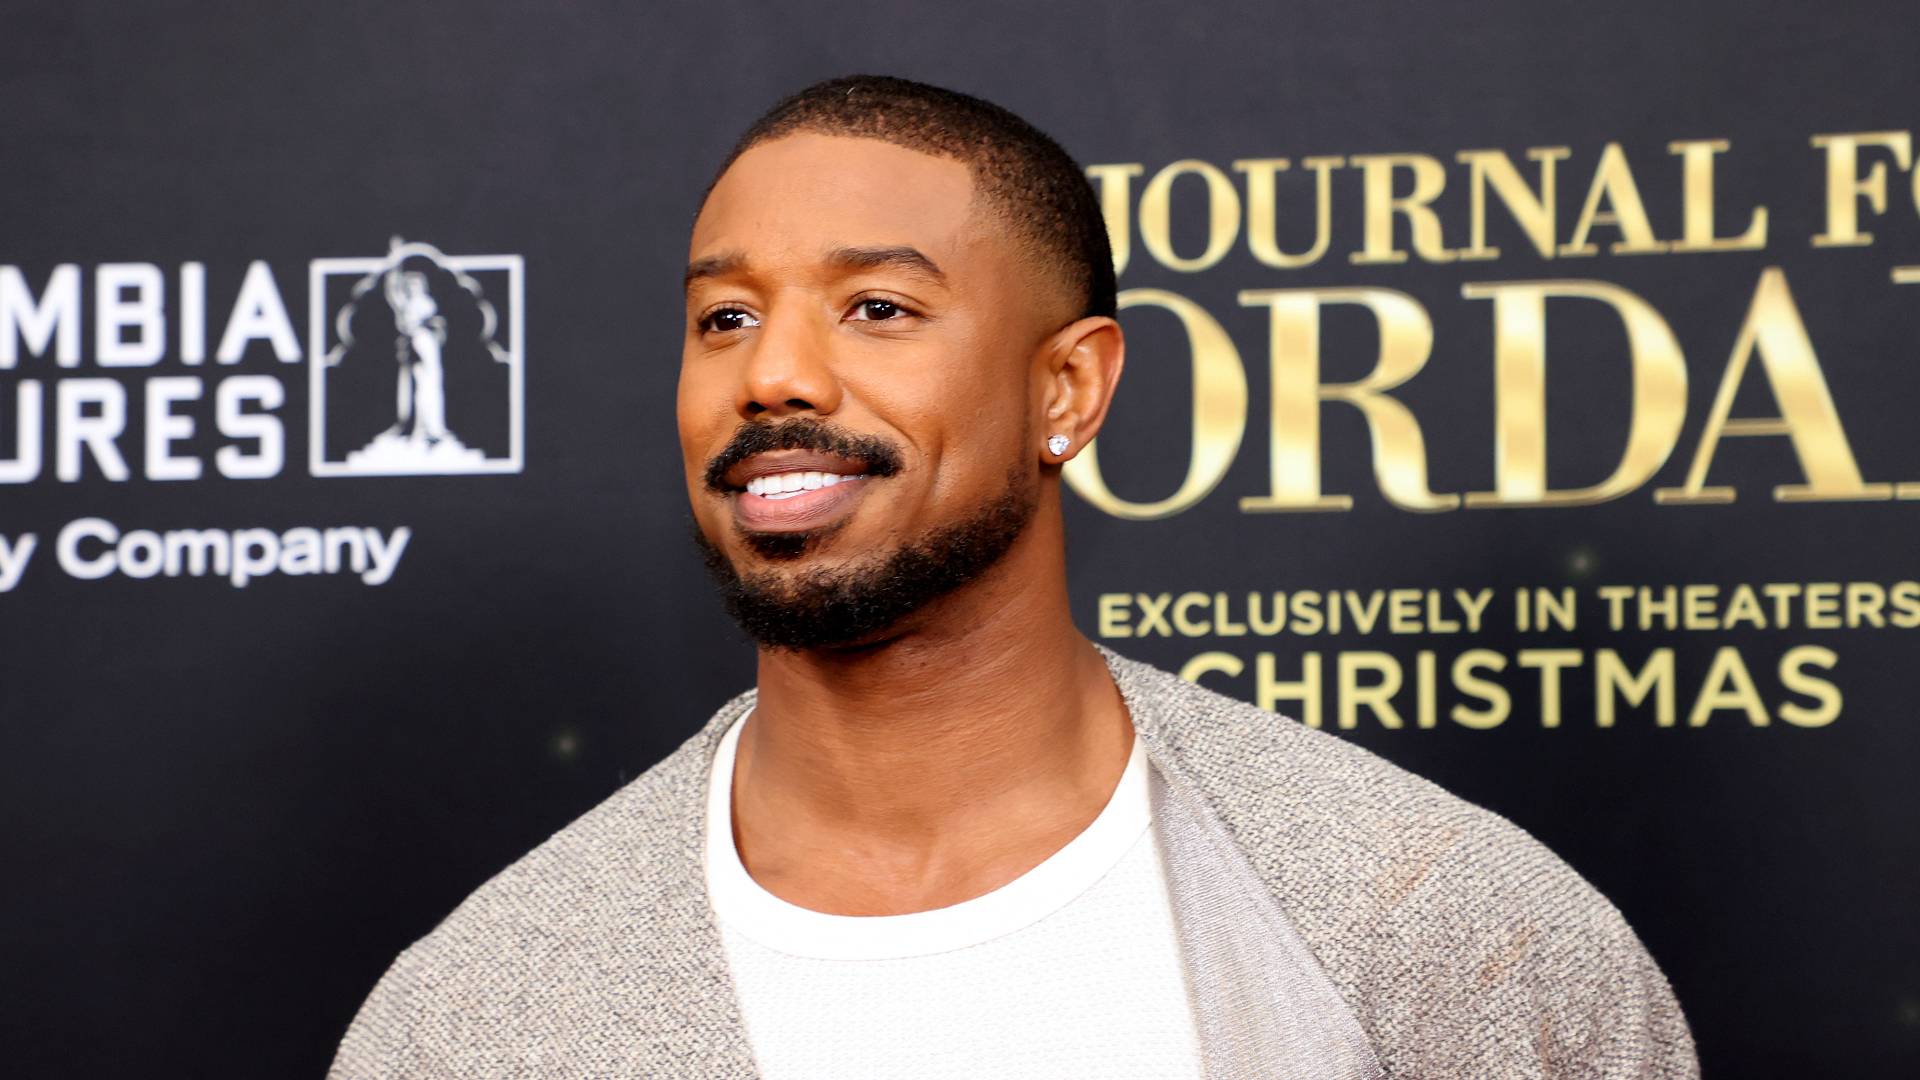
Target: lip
(799, 511)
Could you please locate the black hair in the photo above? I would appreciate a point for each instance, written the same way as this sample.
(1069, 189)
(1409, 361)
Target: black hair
(1034, 184)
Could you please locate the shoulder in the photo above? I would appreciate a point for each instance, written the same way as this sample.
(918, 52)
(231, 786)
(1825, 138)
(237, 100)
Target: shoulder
(546, 951)
(1464, 945)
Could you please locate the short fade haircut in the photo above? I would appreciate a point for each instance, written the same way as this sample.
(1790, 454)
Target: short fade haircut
(1034, 185)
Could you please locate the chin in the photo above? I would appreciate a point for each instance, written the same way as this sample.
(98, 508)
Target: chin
(788, 592)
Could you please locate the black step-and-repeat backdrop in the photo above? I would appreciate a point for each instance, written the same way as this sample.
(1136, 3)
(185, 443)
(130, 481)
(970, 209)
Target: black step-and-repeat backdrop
(1525, 392)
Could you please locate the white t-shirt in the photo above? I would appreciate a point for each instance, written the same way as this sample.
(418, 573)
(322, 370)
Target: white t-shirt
(1070, 970)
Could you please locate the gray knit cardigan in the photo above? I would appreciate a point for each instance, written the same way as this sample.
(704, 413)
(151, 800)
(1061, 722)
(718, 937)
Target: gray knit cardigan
(1339, 917)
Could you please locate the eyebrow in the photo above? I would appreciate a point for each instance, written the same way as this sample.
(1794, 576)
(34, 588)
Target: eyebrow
(713, 266)
(907, 259)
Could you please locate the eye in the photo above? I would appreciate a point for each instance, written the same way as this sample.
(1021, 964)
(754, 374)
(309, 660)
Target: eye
(727, 318)
(876, 309)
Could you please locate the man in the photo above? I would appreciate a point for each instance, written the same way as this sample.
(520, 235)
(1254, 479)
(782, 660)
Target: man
(946, 835)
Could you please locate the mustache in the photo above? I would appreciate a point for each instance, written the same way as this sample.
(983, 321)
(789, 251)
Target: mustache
(879, 456)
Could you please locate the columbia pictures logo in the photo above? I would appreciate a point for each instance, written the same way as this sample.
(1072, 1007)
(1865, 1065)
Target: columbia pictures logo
(415, 364)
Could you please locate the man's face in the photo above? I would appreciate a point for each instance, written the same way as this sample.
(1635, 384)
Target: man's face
(857, 377)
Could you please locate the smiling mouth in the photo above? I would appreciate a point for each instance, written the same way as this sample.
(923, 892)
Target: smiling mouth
(786, 485)
(791, 491)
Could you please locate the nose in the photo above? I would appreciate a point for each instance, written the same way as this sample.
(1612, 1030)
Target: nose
(788, 370)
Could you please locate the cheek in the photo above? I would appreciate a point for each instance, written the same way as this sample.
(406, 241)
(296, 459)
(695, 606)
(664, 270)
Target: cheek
(707, 383)
(703, 414)
(963, 417)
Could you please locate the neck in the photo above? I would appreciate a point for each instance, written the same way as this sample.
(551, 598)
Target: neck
(940, 763)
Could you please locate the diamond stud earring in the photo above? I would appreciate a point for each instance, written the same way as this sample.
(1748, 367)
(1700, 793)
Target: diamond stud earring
(1057, 444)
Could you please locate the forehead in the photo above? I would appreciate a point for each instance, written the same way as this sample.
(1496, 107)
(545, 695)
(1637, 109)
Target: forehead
(794, 198)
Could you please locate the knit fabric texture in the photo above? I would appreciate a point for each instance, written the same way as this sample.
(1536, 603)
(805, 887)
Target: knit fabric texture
(1407, 932)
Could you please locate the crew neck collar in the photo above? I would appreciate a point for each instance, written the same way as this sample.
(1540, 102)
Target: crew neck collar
(745, 906)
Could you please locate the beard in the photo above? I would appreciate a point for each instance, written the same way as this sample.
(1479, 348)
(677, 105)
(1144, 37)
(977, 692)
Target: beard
(823, 608)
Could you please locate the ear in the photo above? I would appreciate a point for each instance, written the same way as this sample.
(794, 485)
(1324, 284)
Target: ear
(1082, 363)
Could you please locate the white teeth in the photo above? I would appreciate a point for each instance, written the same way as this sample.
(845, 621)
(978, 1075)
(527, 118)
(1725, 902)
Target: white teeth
(785, 485)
